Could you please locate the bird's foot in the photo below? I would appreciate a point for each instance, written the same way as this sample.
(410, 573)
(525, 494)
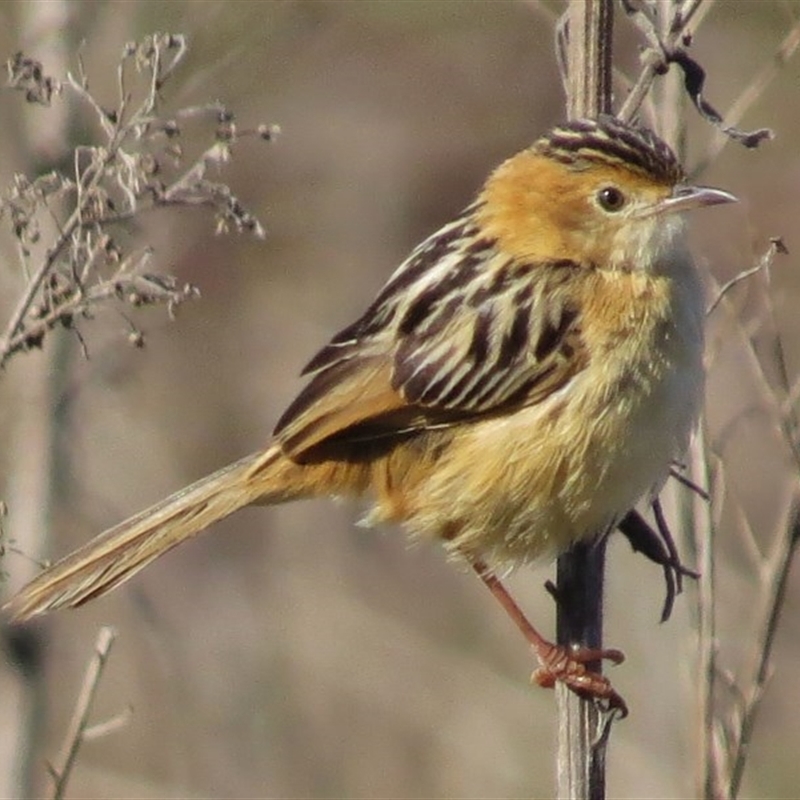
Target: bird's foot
(568, 666)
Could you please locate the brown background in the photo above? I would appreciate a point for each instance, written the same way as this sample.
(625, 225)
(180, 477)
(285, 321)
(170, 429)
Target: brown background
(292, 653)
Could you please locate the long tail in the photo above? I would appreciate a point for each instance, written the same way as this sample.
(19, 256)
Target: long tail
(120, 552)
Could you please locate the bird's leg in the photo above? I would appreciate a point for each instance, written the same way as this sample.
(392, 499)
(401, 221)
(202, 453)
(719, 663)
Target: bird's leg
(557, 663)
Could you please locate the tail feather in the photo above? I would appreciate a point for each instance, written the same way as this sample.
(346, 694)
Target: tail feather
(116, 555)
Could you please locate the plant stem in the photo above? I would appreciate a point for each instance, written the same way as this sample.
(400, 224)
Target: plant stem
(582, 732)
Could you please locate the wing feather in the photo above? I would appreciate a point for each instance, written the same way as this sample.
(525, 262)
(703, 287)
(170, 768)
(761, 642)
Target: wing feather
(511, 339)
(457, 333)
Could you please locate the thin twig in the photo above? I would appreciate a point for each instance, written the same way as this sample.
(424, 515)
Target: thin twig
(72, 224)
(82, 246)
(763, 265)
(689, 484)
(691, 7)
(698, 519)
(773, 603)
(102, 729)
(729, 730)
(751, 93)
(785, 415)
(654, 59)
(774, 571)
(653, 64)
(80, 717)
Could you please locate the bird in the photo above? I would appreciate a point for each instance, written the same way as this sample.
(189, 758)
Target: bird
(525, 377)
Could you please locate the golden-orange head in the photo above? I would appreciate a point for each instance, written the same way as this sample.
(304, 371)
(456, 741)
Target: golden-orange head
(596, 192)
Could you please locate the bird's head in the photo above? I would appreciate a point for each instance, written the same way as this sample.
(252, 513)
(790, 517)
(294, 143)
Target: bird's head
(595, 192)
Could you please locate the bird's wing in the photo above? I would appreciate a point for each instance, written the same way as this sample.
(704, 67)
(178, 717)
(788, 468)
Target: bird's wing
(456, 334)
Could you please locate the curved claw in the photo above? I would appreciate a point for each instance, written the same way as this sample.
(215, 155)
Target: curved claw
(585, 655)
(569, 667)
(558, 663)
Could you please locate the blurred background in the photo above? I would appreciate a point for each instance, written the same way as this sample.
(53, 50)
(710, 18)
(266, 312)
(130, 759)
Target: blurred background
(291, 653)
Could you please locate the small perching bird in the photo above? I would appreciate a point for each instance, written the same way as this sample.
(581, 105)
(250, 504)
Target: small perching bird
(522, 380)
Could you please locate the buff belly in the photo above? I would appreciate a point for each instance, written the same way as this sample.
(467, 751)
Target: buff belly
(528, 485)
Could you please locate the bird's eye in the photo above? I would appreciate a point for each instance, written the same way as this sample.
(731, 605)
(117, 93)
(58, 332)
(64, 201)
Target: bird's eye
(610, 198)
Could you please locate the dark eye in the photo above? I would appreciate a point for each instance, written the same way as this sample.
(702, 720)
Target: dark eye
(611, 198)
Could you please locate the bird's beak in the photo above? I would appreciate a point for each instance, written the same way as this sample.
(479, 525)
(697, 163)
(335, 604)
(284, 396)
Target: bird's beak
(684, 198)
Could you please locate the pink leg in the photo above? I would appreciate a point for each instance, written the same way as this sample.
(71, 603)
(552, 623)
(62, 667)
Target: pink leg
(557, 663)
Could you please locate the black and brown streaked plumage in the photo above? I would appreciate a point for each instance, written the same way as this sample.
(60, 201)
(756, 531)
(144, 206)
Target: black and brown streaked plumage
(524, 377)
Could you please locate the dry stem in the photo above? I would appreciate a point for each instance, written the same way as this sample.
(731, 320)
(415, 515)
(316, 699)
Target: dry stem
(735, 707)
(76, 733)
(583, 729)
(134, 170)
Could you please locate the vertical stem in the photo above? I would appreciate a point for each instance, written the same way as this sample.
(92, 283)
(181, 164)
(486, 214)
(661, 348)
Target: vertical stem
(591, 23)
(699, 525)
(581, 750)
(581, 747)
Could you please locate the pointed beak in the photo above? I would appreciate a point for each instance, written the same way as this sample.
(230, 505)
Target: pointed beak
(684, 198)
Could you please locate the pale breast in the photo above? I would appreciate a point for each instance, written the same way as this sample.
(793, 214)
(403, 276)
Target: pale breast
(528, 484)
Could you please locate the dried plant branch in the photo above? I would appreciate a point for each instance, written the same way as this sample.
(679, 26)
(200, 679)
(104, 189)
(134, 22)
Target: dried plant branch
(654, 58)
(136, 168)
(60, 774)
(663, 51)
(773, 568)
(764, 264)
(774, 404)
(102, 729)
(689, 484)
(26, 75)
(730, 724)
(690, 8)
(583, 729)
(753, 683)
(697, 518)
(70, 229)
(752, 92)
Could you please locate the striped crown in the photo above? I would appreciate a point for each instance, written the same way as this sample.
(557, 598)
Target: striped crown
(608, 140)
